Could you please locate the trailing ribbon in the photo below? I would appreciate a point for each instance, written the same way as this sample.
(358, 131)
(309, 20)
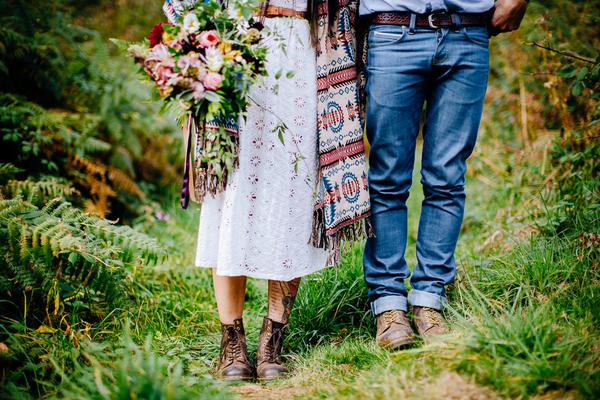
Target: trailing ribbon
(185, 187)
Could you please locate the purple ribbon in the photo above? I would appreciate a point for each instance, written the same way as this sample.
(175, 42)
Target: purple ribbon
(185, 188)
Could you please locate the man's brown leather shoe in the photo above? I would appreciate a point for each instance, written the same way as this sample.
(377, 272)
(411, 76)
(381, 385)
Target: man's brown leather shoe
(394, 330)
(233, 358)
(269, 364)
(430, 322)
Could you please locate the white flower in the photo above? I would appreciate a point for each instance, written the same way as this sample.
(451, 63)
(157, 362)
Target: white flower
(214, 59)
(191, 23)
(139, 51)
(159, 52)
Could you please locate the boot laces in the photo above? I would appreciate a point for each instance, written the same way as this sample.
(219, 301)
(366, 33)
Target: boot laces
(432, 316)
(274, 345)
(393, 316)
(233, 351)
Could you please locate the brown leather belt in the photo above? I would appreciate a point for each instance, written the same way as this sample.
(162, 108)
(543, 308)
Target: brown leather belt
(275, 11)
(434, 20)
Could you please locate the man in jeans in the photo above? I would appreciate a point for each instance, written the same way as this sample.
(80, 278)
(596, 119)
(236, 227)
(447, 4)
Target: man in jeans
(432, 52)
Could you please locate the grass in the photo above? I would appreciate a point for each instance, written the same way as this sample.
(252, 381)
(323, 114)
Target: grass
(523, 313)
(524, 310)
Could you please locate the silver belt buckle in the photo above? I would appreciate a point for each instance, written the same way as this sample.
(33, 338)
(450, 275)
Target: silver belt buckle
(430, 20)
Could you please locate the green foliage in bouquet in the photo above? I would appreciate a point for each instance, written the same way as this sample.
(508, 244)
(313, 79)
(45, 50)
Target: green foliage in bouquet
(205, 63)
(202, 67)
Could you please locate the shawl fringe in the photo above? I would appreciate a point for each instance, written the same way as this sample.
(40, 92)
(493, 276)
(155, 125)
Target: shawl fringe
(356, 230)
(204, 178)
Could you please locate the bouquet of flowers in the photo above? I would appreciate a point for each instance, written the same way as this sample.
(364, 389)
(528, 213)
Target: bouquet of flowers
(203, 66)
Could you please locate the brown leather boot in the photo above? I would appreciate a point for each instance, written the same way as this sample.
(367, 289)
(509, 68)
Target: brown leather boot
(233, 359)
(430, 322)
(268, 358)
(394, 330)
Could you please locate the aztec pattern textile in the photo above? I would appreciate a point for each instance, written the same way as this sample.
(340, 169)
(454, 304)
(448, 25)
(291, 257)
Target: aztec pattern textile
(174, 8)
(342, 204)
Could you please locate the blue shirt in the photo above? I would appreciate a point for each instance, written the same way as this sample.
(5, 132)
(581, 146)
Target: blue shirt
(425, 6)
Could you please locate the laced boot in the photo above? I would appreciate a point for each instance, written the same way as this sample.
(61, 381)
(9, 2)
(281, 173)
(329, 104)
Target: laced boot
(394, 330)
(233, 358)
(430, 322)
(269, 364)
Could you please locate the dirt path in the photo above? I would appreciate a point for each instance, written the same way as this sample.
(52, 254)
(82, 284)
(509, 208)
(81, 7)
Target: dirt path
(446, 386)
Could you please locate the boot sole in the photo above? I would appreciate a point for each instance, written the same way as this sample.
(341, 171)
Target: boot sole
(236, 378)
(271, 378)
(399, 344)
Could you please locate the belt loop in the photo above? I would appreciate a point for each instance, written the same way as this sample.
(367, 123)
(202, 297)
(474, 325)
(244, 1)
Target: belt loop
(413, 23)
(455, 18)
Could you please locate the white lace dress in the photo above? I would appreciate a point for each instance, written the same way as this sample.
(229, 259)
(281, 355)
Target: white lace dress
(261, 225)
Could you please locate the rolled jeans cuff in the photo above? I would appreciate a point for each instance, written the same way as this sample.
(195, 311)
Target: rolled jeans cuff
(418, 298)
(387, 303)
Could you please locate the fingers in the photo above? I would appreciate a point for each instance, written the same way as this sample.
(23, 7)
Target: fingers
(507, 16)
(503, 23)
(503, 28)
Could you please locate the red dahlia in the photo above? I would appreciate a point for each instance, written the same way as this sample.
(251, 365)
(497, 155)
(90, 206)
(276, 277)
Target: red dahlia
(155, 36)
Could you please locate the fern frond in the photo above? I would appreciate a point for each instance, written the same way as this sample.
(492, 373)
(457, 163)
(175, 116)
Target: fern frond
(38, 192)
(94, 145)
(124, 183)
(89, 166)
(8, 171)
(61, 242)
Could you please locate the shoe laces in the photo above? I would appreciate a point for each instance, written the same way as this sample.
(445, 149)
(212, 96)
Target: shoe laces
(393, 316)
(273, 346)
(233, 351)
(432, 316)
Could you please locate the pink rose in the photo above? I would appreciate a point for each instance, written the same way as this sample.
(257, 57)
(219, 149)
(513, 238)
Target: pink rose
(175, 44)
(197, 90)
(212, 81)
(159, 53)
(184, 63)
(165, 76)
(201, 73)
(208, 38)
(195, 63)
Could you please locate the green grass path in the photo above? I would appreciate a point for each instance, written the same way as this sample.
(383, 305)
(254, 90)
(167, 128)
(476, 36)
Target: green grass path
(523, 315)
(338, 360)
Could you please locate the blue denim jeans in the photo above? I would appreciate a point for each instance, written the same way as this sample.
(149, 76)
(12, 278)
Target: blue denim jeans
(447, 70)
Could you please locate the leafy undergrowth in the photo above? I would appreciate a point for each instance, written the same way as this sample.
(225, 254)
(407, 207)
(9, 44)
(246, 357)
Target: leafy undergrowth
(524, 321)
(524, 311)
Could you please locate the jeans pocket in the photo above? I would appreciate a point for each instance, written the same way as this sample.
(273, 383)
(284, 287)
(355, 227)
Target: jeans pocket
(378, 37)
(478, 35)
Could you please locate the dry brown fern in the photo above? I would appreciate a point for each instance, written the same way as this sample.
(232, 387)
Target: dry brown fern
(124, 183)
(96, 181)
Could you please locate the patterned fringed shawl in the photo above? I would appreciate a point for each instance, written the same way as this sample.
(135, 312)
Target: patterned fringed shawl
(342, 205)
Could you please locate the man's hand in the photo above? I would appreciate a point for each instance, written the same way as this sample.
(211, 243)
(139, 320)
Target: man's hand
(508, 15)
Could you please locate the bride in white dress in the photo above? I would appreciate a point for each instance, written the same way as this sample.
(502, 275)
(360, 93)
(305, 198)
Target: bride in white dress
(261, 225)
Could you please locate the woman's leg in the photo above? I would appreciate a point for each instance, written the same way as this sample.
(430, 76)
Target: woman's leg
(281, 299)
(233, 358)
(230, 292)
(269, 364)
